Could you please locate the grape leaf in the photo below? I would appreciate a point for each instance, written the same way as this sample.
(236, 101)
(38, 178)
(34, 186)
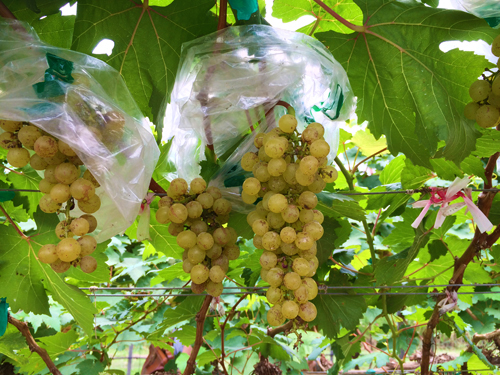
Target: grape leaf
(337, 233)
(290, 10)
(28, 179)
(473, 166)
(162, 240)
(10, 344)
(408, 89)
(488, 144)
(56, 29)
(330, 206)
(25, 278)
(392, 172)
(24, 12)
(147, 42)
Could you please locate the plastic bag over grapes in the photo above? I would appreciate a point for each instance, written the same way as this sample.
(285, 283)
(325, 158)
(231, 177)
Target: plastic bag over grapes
(229, 86)
(487, 9)
(84, 103)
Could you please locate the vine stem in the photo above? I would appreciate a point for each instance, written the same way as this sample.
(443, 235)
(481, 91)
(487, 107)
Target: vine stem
(34, 347)
(200, 322)
(394, 333)
(369, 238)
(223, 326)
(367, 158)
(285, 327)
(13, 224)
(338, 17)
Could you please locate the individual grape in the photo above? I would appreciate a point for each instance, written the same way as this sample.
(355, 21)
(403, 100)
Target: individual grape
(222, 206)
(289, 174)
(310, 253)
(276, 167)
(274, 295)
(288, 235)
(197, 186)
(46, 146)
(269, 260)
(263, 156)
(88, 244)
(300, 266)
(487, 116)
(62, 230)
(275, 317)
(318, 185)
(199, 274)
(290, 309)
(277, 184)
(263, 274)
(233, 235)
(68, 249)
(260, 227)
(309, 165)
(79, 226)
(214, 192)
(196, 255)
(186, 239)
(319, 148)
(271, 241)
(304, 241)
(56, 159)
(495, 86)
(329, 174)
(214, 289)
(175, 228)
(308, 199)
(28, 136)
(287, 123)
(59, 266)
(92, 222)
(75, 160)
(303, 179)
(198, 226)
(214, 252)
(308, 312)
(198, 288)
(276, 147)
(290, 214)
(177, 188)
(221, 236)
(187, 266)
(49, 174)
(479, 90)
(277, 203)
(205, 241)
(60, 193)
(217, 274)
(313, 229)
(306, 216)
(65, 149)
(275, 220)
(37, 163)
(162, 215)
(66, 173)
(494, 100)
(48, 254)
(258, 140)
(9, 140)
(165, 202)
(232, 252)
(270, 135)
(90, 205)
(495, 46)
(292, 280)
(310, 134)
(247, 198)
(289, 248)
(45, 187)
(275, 277)
(10, 126)
(257, 242)
(251, 186)
(261, 172)
(206, 200)
(177, 213)
(89, 176)
(470, 110)
(300, 294)
(18, 157)
(82, 189)
(194, 209)
(297, 226)
(222, 261)
(47, 205)
(88, 264)
(312, 288)
(248, 161)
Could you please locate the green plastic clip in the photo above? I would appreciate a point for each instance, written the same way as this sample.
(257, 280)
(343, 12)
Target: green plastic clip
(4, 315)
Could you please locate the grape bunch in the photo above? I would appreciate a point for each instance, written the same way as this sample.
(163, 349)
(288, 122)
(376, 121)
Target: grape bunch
(485, 94)
(197, 218)
(63, 183)
(289, 169)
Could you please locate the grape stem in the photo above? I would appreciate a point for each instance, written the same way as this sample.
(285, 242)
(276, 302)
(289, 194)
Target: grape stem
(34, 347)
(222, 15)
(285, 327)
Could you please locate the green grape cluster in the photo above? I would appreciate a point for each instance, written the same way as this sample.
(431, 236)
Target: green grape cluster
(289, 169)
(197, 217)
(63, 183)
(485, 95)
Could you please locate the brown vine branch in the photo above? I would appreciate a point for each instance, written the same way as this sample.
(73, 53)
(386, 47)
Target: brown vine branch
(339, 18)
(13, 224)
(5, 12)
(367, 158)
(486, 336)
(34, 347)
(200, 322)
(222, 15)
(285, 327)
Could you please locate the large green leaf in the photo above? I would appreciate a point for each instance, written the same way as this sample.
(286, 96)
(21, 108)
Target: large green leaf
(28, 179)
(147, 39)
(290, 10)
(29, 10)
(25, 279)
(407, 88)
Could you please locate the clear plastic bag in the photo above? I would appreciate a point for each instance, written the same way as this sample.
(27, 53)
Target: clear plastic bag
(487, 9)
(229, 84)
(85, 103)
